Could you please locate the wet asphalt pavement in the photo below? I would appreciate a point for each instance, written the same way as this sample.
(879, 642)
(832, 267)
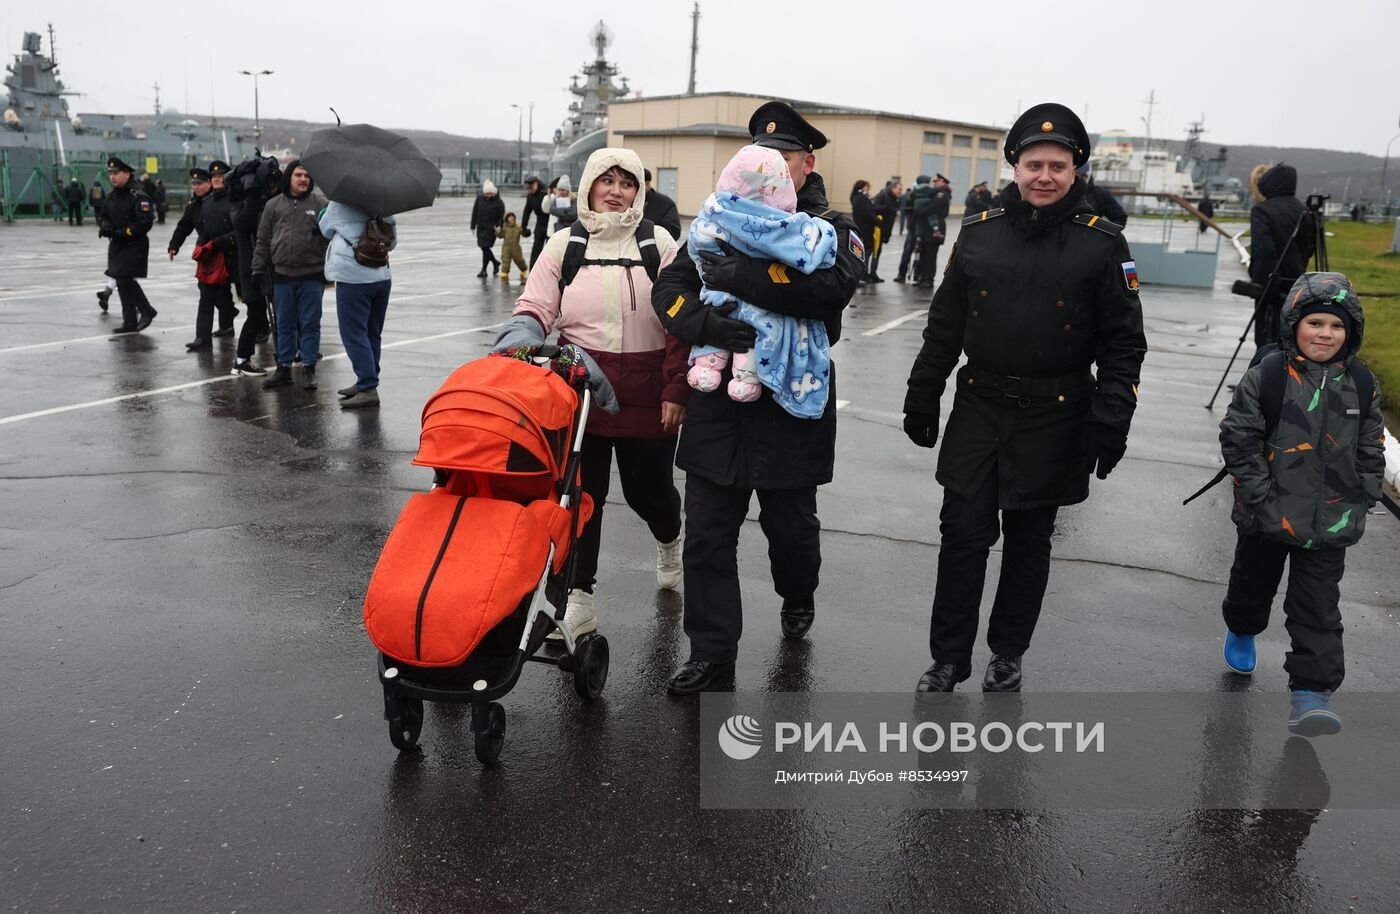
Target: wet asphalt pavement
(191, 717)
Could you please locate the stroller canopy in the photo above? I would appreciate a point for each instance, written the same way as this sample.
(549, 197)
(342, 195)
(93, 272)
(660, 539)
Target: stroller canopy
(500, 416)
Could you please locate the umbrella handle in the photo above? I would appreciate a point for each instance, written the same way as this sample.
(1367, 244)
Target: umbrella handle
(337, 117)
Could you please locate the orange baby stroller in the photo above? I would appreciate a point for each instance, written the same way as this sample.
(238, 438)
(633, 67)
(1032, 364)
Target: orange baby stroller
(473, 575)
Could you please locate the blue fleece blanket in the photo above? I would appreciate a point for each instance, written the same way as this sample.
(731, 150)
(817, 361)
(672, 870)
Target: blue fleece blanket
(793, 354)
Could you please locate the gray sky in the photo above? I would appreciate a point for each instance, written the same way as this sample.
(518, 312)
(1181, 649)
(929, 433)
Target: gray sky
(457, 66)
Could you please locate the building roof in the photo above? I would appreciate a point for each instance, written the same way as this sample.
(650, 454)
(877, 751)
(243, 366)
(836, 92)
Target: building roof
(726, 130)
(805, 107)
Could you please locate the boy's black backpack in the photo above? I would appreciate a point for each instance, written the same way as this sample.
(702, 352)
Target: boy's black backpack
(1275, 382)
(578, 246)
(372, 250)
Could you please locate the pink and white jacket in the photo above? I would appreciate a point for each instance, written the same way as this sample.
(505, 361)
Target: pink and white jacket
(607, 310)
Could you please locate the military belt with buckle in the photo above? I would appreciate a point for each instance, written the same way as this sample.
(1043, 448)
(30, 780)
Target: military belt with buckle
(1026, 391)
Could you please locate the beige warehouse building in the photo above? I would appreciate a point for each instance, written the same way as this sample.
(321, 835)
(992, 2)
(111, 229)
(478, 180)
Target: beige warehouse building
(686, 140)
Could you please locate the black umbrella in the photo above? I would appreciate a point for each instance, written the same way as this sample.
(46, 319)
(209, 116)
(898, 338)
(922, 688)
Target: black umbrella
(372, 169)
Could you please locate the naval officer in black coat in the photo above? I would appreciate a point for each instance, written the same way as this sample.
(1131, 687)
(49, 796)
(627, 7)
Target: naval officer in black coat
(730, 450)
(125, 221)
(1038, 294)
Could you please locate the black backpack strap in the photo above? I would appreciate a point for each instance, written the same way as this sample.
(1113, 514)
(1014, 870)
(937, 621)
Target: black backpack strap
(1365, 387)
(573, 255)
(646, 243)
(1271, 389)
(1270, 402)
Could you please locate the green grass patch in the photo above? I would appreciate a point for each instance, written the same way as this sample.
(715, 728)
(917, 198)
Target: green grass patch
(1362, 252)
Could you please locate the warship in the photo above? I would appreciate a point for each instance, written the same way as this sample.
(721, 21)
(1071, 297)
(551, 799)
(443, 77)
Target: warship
(585, 129)
(39, 136)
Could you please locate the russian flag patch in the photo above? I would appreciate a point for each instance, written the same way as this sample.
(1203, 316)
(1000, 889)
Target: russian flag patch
(1130, 275)
(856, 245)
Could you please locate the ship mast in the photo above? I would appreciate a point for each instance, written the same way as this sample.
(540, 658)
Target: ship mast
(157, 88)
(694, 45)
(53, 51)
(1151, 103)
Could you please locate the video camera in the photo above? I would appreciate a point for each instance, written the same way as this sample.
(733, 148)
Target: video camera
(257, 177)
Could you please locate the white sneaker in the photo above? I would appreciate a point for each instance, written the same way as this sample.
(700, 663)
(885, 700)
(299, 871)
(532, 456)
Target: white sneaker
(578, 616)
(668, 564)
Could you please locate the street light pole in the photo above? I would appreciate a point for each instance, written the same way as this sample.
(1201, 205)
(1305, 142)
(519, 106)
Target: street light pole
(532, 136)
(257, 118)
(519, 158)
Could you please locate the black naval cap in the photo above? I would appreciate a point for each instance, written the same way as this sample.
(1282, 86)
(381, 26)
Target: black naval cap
(777, 126)
(199, 174)
(217, 167)
(1048, 123)
(116, 164)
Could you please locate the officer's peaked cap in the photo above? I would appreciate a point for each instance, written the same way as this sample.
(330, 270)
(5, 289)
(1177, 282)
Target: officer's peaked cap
(778, 126)
(1048, 122)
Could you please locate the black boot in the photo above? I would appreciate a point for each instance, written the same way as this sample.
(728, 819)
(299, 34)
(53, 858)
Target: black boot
(899, 277)
(1003, 674)
(482, 274)
(102, 298)
(796, 617)
(280, 378)
(308, 377)
(697, 675)
(942, 677)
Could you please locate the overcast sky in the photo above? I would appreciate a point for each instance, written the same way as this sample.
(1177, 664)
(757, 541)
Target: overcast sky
(457, 66)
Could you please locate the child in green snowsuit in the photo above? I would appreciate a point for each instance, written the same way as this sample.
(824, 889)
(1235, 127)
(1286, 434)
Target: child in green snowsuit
(509, 232)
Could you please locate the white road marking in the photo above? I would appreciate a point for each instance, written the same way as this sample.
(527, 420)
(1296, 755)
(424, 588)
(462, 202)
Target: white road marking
(842, 404)
(890, 325)
(88, 339)
(215, 380)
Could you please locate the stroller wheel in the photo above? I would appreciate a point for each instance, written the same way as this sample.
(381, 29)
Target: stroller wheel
(590, 666)
(490, 740)
(405, 721)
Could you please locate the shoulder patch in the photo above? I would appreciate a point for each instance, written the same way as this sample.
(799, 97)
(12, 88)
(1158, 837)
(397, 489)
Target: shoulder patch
(984, 216)
(1089, 220)
(856, 245)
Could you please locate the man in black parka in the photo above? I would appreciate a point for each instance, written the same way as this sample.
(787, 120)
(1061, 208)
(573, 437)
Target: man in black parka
(730, 450)
(1271, 224)
(1035, 294)
(125, 220)
(535, 194)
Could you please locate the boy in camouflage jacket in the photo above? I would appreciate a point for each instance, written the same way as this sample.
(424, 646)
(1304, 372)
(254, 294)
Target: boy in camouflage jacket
(1302, 492)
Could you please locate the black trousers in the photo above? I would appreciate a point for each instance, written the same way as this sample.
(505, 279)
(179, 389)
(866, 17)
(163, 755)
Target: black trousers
(644, 465)
(256, 323)
(910, 239)
(714, 615)
(135, 305)
(969, 528)
(214, 298)
(1314, 621)
(540, 237)
(928, 261)
(1266, 328)
(75, 214)
(488, 256)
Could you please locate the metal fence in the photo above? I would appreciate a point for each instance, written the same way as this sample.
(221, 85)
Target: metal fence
(32, 182)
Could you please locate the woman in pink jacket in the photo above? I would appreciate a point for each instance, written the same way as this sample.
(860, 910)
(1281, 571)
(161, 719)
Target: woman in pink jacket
(606, 310)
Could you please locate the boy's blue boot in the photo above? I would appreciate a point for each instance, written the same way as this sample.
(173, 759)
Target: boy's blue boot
(1239, 653)
(1311, 716)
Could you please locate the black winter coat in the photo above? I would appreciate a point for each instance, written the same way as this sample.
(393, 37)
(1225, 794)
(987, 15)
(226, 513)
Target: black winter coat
(974, 204)
(126, 219)
(1031, 294)
(760, 445)
(74, 194)
(1271, 224)
(864, 215)
(886, 211)
(661, 210)
(1105, 204)
(488, 214)
(534, 206)
(185, 226)
(214, 222)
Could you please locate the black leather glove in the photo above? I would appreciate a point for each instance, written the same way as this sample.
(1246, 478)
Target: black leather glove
(1104, 447)
(922, 428)
(524, 233)
(726, 332)
(732, 272)
(256, 282)
(104, 229)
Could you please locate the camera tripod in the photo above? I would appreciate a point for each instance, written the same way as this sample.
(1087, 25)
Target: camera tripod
(1260, 293)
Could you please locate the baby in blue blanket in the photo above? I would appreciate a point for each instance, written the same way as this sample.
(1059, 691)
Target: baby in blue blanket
(754, 208)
